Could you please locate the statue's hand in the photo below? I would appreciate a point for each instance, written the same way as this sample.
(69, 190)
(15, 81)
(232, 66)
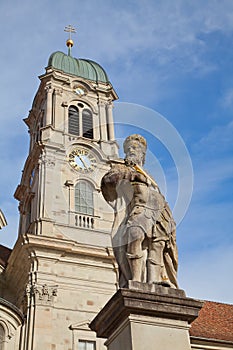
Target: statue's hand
(129, 162)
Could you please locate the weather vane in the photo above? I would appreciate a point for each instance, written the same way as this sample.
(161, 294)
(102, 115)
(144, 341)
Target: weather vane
(69, 42)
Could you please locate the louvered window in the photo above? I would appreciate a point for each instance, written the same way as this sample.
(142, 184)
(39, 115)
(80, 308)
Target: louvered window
(87, 124)
(73, 127)
(80, 121)
(84, 198)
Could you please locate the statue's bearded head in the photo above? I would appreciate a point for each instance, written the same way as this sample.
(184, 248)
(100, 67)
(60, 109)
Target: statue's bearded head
(135, 149)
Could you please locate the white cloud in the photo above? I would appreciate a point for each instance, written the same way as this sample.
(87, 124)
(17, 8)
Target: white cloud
(227, 99)
(213, 162)
(218, 139)
(167, 31)
(210, 176)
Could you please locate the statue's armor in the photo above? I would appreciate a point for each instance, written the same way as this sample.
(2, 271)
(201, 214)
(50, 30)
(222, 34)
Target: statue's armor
(147, 232)
(145, 210)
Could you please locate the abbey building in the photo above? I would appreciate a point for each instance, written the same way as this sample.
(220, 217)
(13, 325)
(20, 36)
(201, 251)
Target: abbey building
(61, 270)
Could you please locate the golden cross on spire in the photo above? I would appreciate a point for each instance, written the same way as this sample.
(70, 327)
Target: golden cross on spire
(69, 42)
(70, 29)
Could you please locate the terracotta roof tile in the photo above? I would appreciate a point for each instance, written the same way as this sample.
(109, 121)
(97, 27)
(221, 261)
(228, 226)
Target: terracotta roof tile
(215, 321)
(4, 254)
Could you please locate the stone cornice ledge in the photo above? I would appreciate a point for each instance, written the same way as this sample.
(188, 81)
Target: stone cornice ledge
(65, 246)
(162, 302)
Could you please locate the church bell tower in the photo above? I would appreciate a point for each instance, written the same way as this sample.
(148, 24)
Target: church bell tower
(71, 138)
(65, 268)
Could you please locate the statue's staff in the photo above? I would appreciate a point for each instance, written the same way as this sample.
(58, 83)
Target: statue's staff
(137, 168)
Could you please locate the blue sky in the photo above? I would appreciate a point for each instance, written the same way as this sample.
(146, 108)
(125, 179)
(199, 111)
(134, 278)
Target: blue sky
(173, 57)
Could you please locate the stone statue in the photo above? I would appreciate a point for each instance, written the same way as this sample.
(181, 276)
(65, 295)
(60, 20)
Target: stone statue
(144, 232)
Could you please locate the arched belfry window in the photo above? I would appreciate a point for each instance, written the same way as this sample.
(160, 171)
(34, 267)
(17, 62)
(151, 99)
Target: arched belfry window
(87, 124)
(80, 121)
(73, 124)
(84, 197)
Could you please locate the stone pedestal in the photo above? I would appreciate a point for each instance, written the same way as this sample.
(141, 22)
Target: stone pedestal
(150, 317)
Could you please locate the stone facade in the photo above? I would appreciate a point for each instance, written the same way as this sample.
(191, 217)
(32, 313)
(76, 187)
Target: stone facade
(68, 283)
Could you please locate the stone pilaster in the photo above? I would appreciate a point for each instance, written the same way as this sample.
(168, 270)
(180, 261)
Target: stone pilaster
(102, 121)
(110, 123)
(49, 106)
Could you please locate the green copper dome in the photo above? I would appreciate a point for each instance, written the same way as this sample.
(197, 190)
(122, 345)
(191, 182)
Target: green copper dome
(83, 68)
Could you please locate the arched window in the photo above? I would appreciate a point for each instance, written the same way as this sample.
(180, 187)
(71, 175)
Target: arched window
(2, 337)
(87, 124)
(80, 121)
(73, 124)
(84, 198)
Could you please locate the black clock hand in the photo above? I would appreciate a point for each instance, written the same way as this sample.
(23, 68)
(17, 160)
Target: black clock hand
(84, 164)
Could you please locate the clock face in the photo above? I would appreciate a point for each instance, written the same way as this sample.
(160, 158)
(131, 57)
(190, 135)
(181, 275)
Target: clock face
(82, 159)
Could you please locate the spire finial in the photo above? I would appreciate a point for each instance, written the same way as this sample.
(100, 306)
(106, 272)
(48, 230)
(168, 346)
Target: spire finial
(69, 42)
